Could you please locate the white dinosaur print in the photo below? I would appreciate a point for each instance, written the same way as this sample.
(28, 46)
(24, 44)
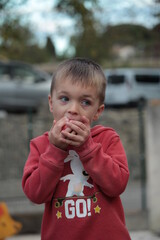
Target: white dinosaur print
(79, 178)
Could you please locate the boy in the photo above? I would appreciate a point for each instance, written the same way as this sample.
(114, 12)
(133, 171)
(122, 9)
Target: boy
(77, 171)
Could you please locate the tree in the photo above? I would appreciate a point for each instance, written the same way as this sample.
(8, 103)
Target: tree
(14, 38)
(157, 9)
(17, 41)
(5, 4)
(50, 49)
(144, 41)
(85, 40)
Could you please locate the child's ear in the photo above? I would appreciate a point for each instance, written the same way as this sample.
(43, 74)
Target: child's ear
(99, 112)
(50, 103)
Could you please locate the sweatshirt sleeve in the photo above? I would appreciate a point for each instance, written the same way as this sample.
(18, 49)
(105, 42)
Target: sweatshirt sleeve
(42, 172)
(106, 163)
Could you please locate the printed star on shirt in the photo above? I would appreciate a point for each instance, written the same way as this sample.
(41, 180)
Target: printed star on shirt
(97, 209)
(59, 215)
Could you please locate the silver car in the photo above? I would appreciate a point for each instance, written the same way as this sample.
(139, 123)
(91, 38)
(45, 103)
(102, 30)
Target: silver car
(128, 86)
(22, 87)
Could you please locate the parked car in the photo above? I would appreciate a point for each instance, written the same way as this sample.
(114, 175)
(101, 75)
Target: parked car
(126, 86)
(22, 86)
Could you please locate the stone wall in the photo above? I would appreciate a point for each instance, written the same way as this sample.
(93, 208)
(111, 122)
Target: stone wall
(15, 131)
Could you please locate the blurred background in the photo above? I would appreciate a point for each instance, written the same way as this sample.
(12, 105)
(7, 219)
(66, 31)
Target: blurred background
(124, 38)
(113, 33)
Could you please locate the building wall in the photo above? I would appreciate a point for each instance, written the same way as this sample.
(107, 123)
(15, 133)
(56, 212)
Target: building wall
(153, 164)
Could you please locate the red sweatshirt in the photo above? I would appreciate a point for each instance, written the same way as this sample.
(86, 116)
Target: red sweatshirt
(80, 187)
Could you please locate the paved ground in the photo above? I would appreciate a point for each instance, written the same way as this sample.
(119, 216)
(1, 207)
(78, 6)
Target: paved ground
(140, 235)
(143, 235)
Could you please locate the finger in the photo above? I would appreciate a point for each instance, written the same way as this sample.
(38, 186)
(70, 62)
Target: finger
(76, 125)
(60, 124)
(79, 127)
(71, 142)
(74, 133)
(73, 137)
(67, 129)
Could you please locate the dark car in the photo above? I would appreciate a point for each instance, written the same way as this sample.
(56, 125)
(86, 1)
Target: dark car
(22, 86)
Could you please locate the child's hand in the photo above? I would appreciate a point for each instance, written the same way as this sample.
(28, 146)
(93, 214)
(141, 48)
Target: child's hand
(81, 130)
(55, 134)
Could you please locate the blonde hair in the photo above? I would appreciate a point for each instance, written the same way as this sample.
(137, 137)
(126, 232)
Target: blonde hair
(84, 71)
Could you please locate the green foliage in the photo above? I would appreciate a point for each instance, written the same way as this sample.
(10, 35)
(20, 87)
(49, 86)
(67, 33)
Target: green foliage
(18, 42)
(5, 4)
(122, 35)
(157, 9)
(85, 40)
(50, 49)
(79, 8)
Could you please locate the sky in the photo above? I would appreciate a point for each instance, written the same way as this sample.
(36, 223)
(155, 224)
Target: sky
(42, 17)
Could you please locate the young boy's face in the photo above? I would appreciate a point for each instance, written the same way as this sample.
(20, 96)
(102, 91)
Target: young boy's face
(74, 101)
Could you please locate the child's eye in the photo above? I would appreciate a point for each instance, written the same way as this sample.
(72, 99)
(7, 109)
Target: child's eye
(64, 99)
(86, 102)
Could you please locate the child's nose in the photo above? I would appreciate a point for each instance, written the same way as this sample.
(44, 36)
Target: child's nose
(73, 109)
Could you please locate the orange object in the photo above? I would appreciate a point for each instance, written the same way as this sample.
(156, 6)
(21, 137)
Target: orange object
(8, 226)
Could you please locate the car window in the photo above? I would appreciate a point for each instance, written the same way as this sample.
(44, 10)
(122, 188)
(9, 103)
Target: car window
(3, 69)
(4, 73)
(25, 75)
(147, 79)
(116, 79)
